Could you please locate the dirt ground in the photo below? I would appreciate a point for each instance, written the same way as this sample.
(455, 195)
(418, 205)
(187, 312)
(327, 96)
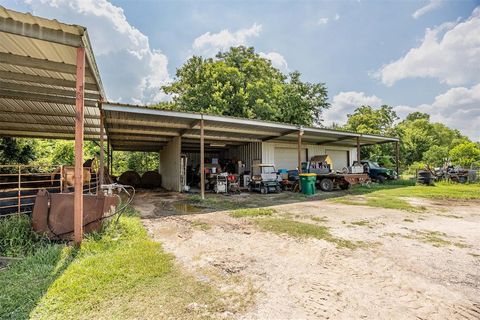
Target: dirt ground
(413, 266)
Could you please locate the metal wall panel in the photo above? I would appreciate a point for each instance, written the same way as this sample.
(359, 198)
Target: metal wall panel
(268, 150)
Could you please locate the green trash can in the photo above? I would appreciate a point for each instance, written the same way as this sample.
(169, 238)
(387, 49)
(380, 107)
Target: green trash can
(307, 183)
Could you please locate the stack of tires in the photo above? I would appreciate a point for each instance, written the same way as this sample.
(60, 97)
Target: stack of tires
(425, 177)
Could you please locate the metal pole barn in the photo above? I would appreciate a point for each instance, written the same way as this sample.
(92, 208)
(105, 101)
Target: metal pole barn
(79, 126)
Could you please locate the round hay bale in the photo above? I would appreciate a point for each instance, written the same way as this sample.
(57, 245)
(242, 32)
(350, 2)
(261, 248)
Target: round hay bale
(151, 179)
(130, 178)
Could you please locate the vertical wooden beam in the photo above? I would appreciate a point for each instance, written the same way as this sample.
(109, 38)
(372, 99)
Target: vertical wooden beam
(299, 150)
(202, 160)
(108, 156)
(111, 160)
(397, 156)
(19, 204)
(79, 124)
(358, 150)
(102, 153)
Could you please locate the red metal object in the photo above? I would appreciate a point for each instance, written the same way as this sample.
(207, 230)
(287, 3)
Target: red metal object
(79, 126)
(356, 178)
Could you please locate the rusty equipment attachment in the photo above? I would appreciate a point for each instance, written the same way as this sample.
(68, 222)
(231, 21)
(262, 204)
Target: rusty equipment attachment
(53, 213)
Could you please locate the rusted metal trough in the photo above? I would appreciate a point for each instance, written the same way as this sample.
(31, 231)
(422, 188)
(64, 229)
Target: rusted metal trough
(53, 213)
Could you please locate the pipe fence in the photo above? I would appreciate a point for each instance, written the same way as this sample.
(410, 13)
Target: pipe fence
(19, 185)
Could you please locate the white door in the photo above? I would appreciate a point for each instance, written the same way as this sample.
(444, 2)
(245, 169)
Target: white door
(287, 158)
(339, 158)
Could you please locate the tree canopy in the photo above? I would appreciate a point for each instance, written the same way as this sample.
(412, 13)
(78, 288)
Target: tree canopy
(421, 140)
(240, 83)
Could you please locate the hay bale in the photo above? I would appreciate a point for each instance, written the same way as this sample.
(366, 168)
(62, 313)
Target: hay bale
(130, 178)
(151, 179)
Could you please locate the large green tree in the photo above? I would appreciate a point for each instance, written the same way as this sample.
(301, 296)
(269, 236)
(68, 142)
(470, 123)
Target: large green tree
(15, 151)
(466, 154)
(380, 121)
(424, 141)
(240, 83)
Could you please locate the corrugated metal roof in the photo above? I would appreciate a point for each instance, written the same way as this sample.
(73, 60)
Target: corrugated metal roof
(145, 129)
(37, 77)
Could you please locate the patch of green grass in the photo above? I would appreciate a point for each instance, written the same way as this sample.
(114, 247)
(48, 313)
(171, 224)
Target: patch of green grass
(435, 238)
(380, 201)
(17, 239)
(441, 190)
(303, 230)
(201, 225)
(214, 202)
(255, 212)
(319, 219)
(116, 274)
(360, 223)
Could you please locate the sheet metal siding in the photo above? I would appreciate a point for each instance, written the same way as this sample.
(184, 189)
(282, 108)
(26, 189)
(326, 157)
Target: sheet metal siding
(247, 153)
(268, 150)
(193, 158)
(170, 165)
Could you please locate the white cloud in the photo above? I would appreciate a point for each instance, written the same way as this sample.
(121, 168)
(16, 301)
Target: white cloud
(458, 108)
(131, 71)
(209, 44)
(345, 103)
(431, 5)
(278, 61)
(323, 21)
(450, 53)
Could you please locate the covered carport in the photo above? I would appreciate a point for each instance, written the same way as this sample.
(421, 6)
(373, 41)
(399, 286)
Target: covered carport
(138, 128)
(50, 88)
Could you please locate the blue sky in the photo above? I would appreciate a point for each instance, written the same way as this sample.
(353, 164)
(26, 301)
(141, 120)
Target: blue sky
(413, 55)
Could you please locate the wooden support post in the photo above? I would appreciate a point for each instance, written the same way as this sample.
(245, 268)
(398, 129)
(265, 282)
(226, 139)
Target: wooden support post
(111, 160)
(108, 156)
(202, 160)
(79, 123)
(299, 150)
(397, 156)
(19, 188)
(358, 150)
(61, 178)
(102, 153)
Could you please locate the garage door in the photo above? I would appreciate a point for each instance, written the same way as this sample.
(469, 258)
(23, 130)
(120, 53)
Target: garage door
(286, 158)
(339, 158)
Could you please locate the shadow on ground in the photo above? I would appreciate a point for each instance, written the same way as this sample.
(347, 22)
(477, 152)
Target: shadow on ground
(25, 282)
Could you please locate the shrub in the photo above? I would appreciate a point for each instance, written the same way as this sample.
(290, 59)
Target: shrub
(17, 238)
